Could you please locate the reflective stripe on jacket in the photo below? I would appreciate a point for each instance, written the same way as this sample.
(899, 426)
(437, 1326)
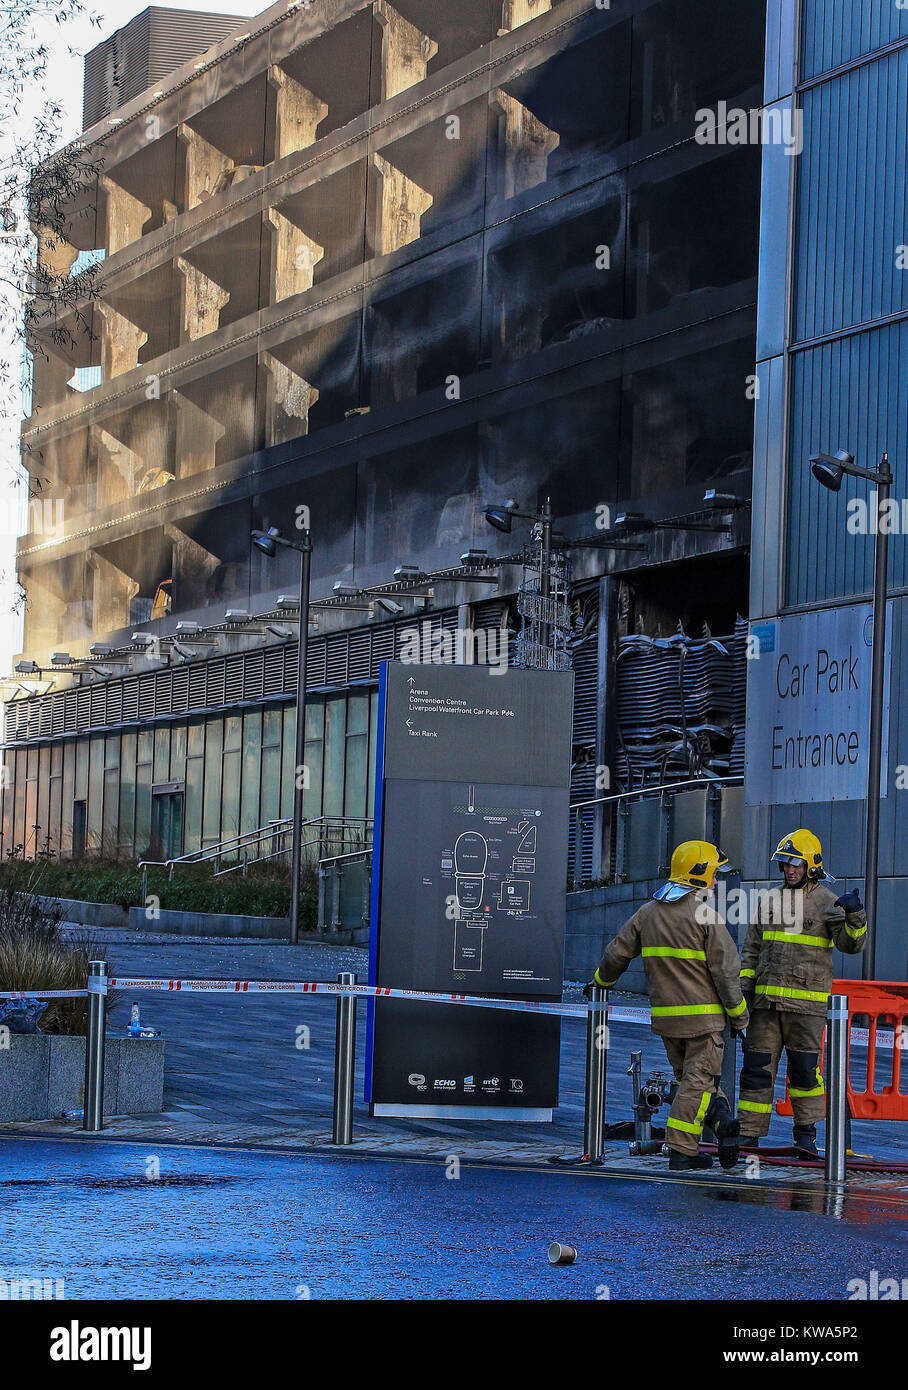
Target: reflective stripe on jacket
(691, 965)
(787, 955)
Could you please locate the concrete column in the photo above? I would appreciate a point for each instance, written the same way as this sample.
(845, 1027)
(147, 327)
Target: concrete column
(193, 567)
(527, 146)
(298, 113)
(197, 437)
(47, 622)
(111, 592)
(517, 12)
(121, 341)
(126, 216)
(50, 377)
(201, 301)
(56, 257)
(118, 468)
(204, 166)
(289, 400)
(405, 51)
(401, 207)
(294, 256)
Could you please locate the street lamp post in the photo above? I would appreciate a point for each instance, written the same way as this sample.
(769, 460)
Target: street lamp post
(829, 470)
(267, 542)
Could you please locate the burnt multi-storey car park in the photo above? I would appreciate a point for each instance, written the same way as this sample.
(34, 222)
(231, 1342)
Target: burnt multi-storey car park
(389, 263)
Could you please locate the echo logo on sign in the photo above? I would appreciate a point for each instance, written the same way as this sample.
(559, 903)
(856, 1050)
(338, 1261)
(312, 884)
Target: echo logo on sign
(75, 1343)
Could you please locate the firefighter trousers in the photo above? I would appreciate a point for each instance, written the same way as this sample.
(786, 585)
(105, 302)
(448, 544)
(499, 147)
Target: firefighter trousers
(801, 1036)
(697, 1064)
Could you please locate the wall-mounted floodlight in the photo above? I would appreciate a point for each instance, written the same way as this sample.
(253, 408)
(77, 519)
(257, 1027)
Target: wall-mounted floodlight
(268, 541)
(187, 629)
(502, 517)
(100, 649)
(478, 557)
(409, 574)
(287, 601)
(27, 668)
(142, 639)
(633, 521)
(723, 501)
(237, 615)
(61, 659)
(342, 590)
(829, 469)
(388, 604)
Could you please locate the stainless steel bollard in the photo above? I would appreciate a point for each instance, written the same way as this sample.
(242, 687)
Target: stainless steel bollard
(93, 1113)
(596, 1050)
(836, 1087)
(344, 1064)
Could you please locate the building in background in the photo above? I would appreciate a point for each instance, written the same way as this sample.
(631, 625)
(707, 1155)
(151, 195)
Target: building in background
(379, 266)
(832, 344)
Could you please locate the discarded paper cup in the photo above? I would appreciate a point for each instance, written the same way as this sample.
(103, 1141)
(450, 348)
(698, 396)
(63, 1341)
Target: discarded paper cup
(562, 1254)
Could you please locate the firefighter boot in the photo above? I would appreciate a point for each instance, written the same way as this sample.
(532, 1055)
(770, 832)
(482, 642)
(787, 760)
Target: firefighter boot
(726, 1129)
(685, 1163)
(805, 1139)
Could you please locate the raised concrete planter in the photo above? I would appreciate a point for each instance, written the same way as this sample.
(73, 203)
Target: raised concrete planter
(168, 921)
(87, 914)
(43, 1075)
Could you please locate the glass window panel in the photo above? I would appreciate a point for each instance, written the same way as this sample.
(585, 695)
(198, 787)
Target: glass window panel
(80, 790)
(211, 816)
(43, 808)
(252, 766)
(143, 809)
(373, 748)
(357, 775)
(272, 724)
(177, 752)
(112, 751)
(66, 827)
(126, 827)
(95, 796)
(358, 712)
(233, 733)
(230, 795)
(146, 745)
(109, 833)
(312, 796)
(195, 747)
(271, 784)
(19, 807)
(162, 754)
(335, 726)
(195, 793)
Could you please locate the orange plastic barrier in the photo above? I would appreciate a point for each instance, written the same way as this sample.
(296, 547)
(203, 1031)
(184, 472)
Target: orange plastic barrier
(878, 999)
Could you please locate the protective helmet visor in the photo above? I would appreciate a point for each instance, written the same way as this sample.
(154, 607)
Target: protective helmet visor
(790, 858)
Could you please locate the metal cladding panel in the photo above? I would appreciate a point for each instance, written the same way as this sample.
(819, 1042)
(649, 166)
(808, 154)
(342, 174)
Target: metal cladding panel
(147, 49)
(852, 200)
(844, 394)
(832, 34)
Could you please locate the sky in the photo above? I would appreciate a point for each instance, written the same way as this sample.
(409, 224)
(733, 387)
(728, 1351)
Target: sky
(67, 45)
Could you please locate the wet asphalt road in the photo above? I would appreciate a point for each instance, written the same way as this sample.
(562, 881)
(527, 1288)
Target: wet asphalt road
(118, 1220)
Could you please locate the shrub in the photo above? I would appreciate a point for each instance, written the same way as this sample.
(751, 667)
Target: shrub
(35, 955)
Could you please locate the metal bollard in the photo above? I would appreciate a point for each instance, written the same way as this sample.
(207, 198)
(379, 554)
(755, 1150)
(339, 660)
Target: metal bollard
(344, 1064)
(594, 1101)
(836, 1087)
(93, 1113)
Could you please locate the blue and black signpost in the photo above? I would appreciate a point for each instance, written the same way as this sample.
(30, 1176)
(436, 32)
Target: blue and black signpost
(468, 892)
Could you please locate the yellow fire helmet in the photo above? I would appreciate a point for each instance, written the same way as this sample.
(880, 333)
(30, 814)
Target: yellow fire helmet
(693, 865)
(803, 847)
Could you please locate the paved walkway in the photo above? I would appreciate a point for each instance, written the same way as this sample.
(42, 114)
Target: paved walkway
(237, 1072)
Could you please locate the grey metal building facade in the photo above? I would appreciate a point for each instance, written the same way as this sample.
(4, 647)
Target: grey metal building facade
(832, 348)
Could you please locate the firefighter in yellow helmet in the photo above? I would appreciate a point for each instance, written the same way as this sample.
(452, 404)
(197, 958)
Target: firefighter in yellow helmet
(786, 975)
(692, 969)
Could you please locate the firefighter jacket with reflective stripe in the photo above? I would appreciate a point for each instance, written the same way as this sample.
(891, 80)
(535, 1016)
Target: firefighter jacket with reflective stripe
(691, 965)
(787, 955)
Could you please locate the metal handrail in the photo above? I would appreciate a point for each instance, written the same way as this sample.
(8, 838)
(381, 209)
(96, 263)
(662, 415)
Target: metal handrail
(662, 787)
